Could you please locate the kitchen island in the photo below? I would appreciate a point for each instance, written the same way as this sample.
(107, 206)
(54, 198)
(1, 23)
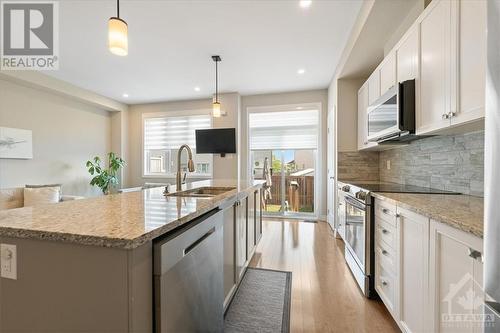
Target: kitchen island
(87, 265)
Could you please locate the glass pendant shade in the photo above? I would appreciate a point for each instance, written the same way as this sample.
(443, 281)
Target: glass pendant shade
(216, 109)
(118, 36)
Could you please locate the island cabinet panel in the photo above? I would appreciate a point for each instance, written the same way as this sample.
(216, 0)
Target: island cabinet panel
(413, 254)
(230, 278)
(251, 224)
(241, 237)
(63, 287)
(259, 206)
(455, 278)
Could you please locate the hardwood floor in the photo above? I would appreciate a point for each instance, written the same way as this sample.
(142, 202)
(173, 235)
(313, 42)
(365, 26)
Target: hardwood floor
(325, 297)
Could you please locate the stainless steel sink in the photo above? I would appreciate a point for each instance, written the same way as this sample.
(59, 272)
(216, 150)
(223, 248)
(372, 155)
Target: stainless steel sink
(202, 192)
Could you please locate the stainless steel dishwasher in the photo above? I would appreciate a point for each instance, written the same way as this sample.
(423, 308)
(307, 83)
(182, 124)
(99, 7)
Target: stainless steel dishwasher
(188, 277)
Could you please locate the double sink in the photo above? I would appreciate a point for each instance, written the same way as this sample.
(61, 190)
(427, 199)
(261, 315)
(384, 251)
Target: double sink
(202, 192)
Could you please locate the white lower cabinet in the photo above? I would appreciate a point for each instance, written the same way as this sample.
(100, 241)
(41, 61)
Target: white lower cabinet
(428, 274)
(455, 279)
(413, 249)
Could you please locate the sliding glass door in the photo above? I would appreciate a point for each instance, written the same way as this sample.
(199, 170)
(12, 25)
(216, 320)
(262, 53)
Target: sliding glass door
(285, 143)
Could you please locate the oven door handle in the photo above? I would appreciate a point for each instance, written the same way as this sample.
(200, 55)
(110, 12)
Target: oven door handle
(355, 203)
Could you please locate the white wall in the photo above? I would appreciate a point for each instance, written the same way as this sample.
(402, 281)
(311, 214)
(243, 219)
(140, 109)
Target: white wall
(66, 133)
(312, 96)
(224, 168)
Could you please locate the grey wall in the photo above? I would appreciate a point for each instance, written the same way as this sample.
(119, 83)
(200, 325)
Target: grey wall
(454, 163)
(66, 133)
(358, 166)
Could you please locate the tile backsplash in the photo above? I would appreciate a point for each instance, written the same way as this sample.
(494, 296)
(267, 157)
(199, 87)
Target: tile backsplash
(452, 163)
(358, 166)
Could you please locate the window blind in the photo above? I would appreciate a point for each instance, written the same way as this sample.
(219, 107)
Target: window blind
(172, 132)
(284, 130)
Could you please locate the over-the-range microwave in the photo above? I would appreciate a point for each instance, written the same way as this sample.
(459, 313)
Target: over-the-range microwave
(392, 117)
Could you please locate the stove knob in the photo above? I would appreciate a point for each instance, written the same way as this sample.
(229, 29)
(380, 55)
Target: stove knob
(361, 195)
(346, 188)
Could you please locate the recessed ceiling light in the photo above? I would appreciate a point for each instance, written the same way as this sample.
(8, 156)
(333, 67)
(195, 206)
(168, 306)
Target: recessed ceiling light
(197, 89)
(301, 71)
(305, 3)
(125, 95)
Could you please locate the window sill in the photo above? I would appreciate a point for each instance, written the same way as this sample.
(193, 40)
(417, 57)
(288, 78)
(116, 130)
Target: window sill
(173, 176)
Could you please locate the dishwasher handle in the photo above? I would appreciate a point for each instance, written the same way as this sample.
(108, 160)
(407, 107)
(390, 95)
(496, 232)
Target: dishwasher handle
(197, 242)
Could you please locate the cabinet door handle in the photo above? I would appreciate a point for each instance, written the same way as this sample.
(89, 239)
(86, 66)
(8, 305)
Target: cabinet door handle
(445, 116)
(384, 283)
(385, 231)
(384, 252)
(385, 211)
(476, 255)
(452, 114)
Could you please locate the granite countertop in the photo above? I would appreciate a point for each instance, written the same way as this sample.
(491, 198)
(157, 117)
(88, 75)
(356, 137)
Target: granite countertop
(463, 212)
(125, 220)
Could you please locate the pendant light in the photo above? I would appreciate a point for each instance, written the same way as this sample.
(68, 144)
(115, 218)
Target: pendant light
(118, 34)
(216, 112)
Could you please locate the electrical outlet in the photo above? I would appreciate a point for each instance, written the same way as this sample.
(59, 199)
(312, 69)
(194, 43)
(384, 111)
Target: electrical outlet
(8, 261)
(388, 164)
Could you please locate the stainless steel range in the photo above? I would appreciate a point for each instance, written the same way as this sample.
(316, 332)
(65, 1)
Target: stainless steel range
(356, 225)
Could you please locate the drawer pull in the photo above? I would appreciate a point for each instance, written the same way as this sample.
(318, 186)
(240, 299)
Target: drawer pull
(384, 252)
(385, 231)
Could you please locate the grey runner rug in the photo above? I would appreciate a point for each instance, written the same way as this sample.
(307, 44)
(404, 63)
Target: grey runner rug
(261, 303)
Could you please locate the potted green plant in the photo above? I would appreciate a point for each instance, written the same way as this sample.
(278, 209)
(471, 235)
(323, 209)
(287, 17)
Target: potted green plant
(105, 178)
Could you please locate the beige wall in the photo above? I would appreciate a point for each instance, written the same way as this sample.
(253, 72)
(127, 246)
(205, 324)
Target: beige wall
(311, 96)
(224, 168)
(347, 114)
(66, 133)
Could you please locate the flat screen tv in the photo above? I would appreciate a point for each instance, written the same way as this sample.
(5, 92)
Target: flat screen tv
(216, 141)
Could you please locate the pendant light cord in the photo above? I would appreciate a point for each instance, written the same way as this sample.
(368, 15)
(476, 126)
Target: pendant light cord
(118, 8)
(216, 82)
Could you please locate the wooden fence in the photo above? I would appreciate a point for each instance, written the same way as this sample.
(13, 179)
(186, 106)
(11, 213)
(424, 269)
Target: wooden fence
(305, 192)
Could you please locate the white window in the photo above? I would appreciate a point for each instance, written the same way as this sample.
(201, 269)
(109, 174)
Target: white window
(163, 136)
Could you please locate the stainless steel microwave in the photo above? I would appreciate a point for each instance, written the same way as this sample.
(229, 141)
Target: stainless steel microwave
(392, 117)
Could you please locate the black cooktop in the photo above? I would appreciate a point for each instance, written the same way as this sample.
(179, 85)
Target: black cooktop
(400, 188)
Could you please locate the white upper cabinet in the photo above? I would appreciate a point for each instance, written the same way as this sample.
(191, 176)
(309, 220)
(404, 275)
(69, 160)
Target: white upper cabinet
(363, 119)
(452, 64)
(374, 87)
(407, 56)
(388, 73)
(435, 70)
(470, 35)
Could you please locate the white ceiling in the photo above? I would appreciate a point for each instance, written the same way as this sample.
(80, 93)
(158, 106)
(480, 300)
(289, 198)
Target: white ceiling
(262, 44)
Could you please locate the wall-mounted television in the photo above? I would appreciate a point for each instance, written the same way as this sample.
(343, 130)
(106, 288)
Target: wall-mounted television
(216, 141)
